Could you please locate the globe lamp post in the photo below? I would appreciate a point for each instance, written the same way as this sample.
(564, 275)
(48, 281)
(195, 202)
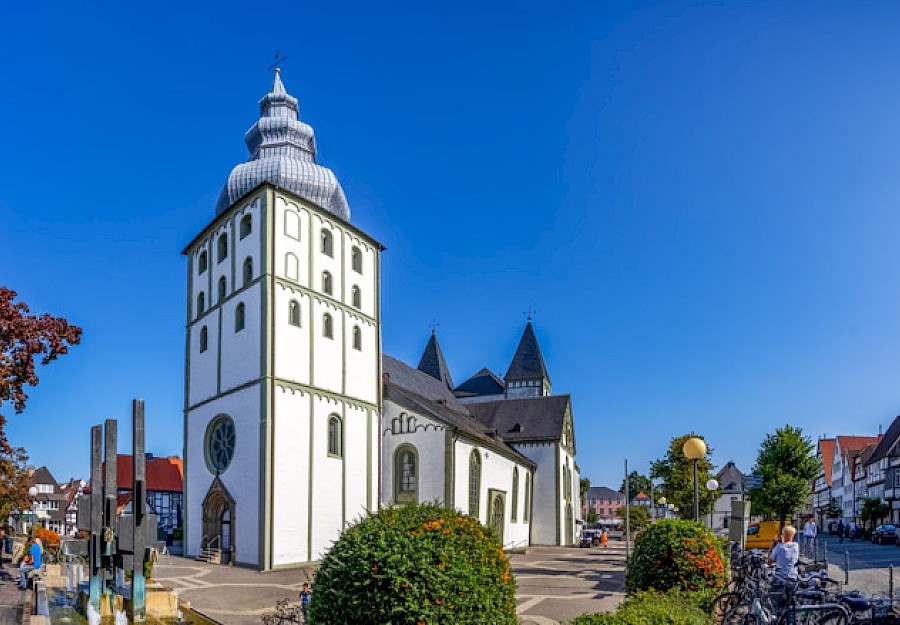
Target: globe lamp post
(32, 492)
(712, 485)
(694, 449)
(662, 504)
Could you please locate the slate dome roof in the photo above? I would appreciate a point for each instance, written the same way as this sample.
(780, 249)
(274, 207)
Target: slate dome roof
(283, 152)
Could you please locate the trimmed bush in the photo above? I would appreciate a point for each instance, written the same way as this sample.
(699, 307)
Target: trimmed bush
(420, 564)
(677, 555)
(648, 608)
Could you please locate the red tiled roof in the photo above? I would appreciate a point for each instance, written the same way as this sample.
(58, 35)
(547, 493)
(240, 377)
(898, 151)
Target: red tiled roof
(826, 449)
(165, 474)
(856, 443)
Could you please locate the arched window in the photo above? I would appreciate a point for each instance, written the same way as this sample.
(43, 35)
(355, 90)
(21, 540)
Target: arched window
(334, 436)
(248, 271)
(474, 482)
(223, 289)
(239, 317)
(246, 226)
(201, 263)
(327, 243)
(292, 224)
(201, 303)
(327, 326)
(204, 339)
(327, 286)
(356, 259)
(294, 313)
(356, 297)
(291, 266)
(406, 473)
(222, 253)
(514, 513)
(527, 511)
(357, 338)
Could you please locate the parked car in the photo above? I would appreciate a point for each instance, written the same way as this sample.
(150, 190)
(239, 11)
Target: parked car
(884, 534)
(761, 534)
(590, 538)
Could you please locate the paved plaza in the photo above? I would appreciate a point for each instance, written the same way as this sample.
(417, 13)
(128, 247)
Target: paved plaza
(555, 584)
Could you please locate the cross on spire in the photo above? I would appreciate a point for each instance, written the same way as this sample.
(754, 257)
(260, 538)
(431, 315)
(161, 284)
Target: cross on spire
(434, 324)
(529, 313)
(278, 61)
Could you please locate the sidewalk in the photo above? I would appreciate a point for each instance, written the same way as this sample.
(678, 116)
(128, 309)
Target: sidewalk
(10, 596)
(555, 584)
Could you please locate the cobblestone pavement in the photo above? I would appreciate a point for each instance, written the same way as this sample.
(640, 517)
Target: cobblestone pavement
(555, 584)
(10, 596)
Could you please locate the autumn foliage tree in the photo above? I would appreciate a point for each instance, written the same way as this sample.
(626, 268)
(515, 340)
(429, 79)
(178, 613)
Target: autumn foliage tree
(25, 339)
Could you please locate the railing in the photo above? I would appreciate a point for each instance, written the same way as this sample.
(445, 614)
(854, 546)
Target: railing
(210, 542)
(515, 545)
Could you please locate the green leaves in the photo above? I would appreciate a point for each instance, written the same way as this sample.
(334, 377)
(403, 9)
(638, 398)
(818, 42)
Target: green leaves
(411, 565)
(677, 474)
(787, 464)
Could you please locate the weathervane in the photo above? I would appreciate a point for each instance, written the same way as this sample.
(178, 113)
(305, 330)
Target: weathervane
(278, 60)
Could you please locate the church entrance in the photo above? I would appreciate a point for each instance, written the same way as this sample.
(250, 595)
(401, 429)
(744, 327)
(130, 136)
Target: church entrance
(497, 512)
(217, 543)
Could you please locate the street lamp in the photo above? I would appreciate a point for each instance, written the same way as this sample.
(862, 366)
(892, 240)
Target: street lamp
(32, 492)
(712, 485)
(694, 449)
(662, 503)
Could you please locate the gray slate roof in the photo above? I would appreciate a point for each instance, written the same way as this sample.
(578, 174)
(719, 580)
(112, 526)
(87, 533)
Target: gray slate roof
(482, 383)
(527, 364)
(530, 418)
(602, 492)
(887, 442)
(433, 363)
(424, 395)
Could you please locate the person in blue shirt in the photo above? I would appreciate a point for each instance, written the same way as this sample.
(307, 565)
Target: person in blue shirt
(34, 560)
(305, 597)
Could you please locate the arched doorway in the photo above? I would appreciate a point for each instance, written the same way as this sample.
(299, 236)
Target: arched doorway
(497, 513)
(217, 544)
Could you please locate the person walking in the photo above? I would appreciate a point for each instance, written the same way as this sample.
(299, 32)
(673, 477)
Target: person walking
(809, 537)
(840, 530)
(851, 530)
(305, 598)
(603, 537)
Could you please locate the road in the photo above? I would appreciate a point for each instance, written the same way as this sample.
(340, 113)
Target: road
(869, 563)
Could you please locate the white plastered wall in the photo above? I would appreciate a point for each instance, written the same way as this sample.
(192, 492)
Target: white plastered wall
(547, 504)
(241, 478)
(402, 426)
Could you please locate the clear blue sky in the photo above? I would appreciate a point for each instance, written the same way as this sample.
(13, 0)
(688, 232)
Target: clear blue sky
(699, 199)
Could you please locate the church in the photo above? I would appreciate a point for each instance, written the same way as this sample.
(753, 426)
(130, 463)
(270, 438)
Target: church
(295, 422)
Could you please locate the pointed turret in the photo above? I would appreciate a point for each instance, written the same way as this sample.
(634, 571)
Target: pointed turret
(527, 374)
(433, 363)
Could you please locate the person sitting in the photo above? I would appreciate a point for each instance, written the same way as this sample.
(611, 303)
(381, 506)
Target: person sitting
(33, 559)
(785, 554)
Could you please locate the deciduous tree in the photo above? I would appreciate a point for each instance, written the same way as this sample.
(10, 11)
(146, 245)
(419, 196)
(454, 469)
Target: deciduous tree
(24, 339)
(787, 465)
(637, 483)
(677, 474)
(874, 510)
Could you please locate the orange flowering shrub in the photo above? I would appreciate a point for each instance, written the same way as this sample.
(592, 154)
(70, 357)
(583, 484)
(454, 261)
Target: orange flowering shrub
(415, 565)
(677, 554)
(48, 537)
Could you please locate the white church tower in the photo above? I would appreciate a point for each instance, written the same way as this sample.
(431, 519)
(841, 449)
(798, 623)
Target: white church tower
(280, 439)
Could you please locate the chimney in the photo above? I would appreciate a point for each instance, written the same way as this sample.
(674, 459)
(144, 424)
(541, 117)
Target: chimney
(148, 456)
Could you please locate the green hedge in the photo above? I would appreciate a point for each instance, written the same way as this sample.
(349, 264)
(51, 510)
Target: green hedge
(413, 565)
(648, 608)
(677, 555)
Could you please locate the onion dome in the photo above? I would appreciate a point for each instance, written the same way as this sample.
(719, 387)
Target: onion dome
(283, 152)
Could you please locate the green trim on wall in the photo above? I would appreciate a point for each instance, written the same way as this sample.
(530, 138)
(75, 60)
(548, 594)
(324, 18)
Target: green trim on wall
(321, 392)
(449, 467)
(231, 391)
(267, 390)
(343, 465)
(312, 439)
(187, 393)
(234, 294)
(556, 508)
(368, 459)
(312, 293)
